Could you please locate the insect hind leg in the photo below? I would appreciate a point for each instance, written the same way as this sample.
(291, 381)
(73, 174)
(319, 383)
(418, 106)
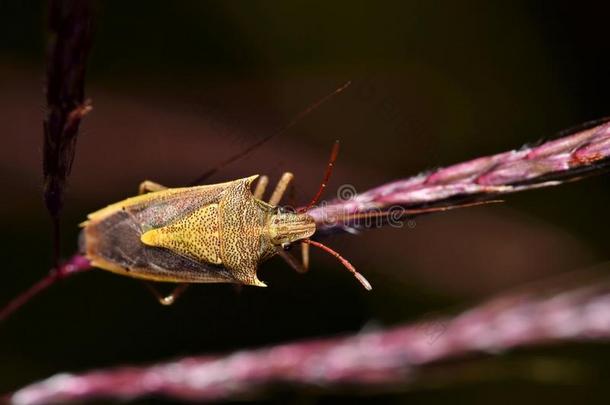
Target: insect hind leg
(170, 299)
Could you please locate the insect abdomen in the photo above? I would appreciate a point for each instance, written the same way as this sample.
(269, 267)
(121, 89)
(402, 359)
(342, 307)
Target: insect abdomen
(114, 244)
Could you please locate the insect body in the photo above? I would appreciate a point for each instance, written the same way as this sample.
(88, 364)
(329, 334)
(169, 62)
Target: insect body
(203, 234)
(216, 233)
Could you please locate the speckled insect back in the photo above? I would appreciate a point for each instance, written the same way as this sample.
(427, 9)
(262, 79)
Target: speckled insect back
(205, 234)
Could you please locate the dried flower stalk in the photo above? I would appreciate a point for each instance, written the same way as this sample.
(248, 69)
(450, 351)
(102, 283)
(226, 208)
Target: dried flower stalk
(379, 360)
(70, 32)
(568, 158)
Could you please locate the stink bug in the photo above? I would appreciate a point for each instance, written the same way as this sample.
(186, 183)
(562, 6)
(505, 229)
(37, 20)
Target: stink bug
(217, 233)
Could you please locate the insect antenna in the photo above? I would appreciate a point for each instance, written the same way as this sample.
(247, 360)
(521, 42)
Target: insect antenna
(343, 261)
(263, 140)
(329, 169)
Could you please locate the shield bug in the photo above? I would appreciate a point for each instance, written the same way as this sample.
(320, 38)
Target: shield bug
(217, 233)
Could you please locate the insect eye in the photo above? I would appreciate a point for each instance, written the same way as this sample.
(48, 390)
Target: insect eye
(286, 246)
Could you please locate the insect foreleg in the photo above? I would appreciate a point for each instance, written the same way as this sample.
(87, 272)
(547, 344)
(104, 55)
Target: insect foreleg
(291, 260)
(305, 255)
(148, 186)
(167, 299)
(280, 189)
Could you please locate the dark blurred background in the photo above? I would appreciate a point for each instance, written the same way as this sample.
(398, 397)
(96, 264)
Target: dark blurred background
(179, 86)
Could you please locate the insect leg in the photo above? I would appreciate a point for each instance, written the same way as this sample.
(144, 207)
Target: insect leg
(261, 186)
(305, 255)
(294, 263)
(167, 299)
(148, 186)
(280, 189)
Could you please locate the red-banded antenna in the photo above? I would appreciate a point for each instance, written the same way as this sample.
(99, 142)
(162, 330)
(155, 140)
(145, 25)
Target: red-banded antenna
(329, 169)
(263, 140)
(343, 261)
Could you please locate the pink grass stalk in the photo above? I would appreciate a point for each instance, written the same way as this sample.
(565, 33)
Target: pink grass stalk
(76, 264)
(551, 163)
(375, 360)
